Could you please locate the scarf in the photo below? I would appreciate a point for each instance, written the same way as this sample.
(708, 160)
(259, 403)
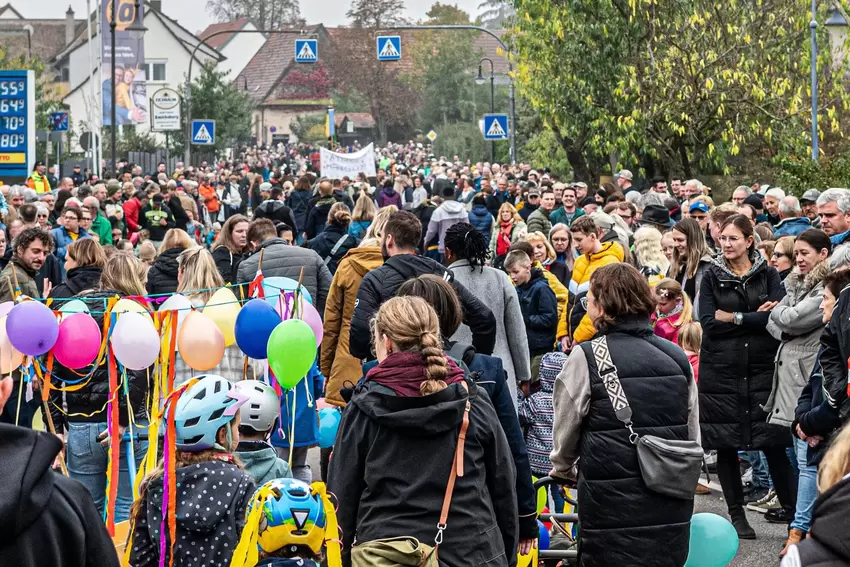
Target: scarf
(503, 241)
(676, 310)
(404, 372)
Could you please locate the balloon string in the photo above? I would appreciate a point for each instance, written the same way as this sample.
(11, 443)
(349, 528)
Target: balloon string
(155, 295)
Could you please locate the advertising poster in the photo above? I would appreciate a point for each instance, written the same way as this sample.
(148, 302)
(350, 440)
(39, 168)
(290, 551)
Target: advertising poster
(130, 96)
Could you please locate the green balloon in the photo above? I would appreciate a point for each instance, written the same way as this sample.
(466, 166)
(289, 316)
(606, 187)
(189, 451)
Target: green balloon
(291, 352)
(74, 306)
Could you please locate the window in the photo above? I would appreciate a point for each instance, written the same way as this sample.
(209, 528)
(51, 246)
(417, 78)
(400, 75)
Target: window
(155, 71)
(66, 75)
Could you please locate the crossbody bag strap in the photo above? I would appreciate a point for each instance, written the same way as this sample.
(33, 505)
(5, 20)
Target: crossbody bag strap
(611, 379)
(457, 470)
(336, 248)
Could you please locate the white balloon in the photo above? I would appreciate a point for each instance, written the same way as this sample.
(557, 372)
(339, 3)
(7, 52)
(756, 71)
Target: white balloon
(182, 305)
(135, 341)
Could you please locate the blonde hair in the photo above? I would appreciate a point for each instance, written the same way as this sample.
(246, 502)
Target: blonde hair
(87, 252)
(836, 462)
(690, 336)
(147, 252)
(673, 289)
(198, 273)
(413, 326)
(125, 274)
(364, 209)
(648, 250)
(176, 238)
(538, 236)
(375, 232)
(339, 214)
(508, 207)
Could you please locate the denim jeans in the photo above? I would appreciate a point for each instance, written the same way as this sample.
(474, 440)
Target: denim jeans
(807, 489)
(757, 460)
(87, 460)
(300, 468)
(557, 500)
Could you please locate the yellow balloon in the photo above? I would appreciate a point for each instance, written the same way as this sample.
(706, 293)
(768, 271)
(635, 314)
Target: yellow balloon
(130, 306)
(10, 358)
(200, 343)
(223, 308)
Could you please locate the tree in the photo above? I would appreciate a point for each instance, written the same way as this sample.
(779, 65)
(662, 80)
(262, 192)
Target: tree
(266, 14)
(495, 13)
(686, 83)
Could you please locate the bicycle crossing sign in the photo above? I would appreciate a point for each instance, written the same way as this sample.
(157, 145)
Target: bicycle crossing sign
(495, 126)
(389, 47)
(306, 50)
(203, 132)
(59, 121)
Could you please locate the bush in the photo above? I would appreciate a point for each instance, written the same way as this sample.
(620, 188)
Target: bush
(798, 175)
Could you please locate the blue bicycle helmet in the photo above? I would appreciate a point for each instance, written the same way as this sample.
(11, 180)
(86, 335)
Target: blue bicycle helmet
(201, 411)
(293, 516)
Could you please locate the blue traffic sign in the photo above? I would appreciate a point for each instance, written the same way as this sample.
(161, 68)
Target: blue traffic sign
(203, 132)
(306, 50)
(496, 127)
(59, 121)
(388, 47)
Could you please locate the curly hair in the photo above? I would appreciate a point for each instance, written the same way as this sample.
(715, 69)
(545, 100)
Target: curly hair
(25, 239)
(467, 243)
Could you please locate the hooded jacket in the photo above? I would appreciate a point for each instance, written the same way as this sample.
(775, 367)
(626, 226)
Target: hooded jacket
(261, 461)
(392, 459)
(325, 243)
(162, 276)
(575, 322)
(275, 211)
(482, 220)
(827, 544)
(540, 311)
(46, 518)
(299, 200)
(317, 218)
(389, 196)
(536, 414)
(336, 360)
(382, 284)
(212, 499)
(449, 213)
(78, 280)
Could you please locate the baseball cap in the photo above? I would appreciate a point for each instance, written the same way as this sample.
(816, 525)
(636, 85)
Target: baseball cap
(699, 206)
(811, 196)
(625, 174)
(265, 186)
(602, 220)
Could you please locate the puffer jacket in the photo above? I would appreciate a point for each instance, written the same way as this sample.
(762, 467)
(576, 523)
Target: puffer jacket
(575, 321)
(228, 264)
(482, 220)
(336, 360)
(540, 311)
(827, 544)
(538, 221)
(797, 322)
(325, 243)
(736, 367)
(78, 280)
(275, 211)
(835, 351)
(282, 260)
(815, 416)
(162, 276)
(88, 404)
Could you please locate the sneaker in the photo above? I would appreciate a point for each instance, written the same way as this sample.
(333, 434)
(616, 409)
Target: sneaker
(763, 506)
(711, 461)
(778, 516)
(747, 477)
(757, 495)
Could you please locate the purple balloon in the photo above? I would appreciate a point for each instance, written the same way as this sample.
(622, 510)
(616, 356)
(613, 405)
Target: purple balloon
(32, 328)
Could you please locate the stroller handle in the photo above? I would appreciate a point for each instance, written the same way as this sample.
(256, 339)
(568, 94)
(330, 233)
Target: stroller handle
(550, 480)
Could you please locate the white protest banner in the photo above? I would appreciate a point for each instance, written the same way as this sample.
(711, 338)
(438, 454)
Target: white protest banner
(336, 165)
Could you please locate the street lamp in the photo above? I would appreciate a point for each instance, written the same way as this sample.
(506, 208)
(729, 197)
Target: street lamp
(137, 32)
(479, 80)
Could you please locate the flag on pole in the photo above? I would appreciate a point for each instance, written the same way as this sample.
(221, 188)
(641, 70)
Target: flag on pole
(255, 288)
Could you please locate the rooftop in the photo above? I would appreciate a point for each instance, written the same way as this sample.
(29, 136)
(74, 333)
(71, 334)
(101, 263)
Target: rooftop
(221, 40)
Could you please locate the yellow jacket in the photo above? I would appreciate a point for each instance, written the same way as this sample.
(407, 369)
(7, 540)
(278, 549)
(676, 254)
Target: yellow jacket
(585, 265)
(39, 183)
(561, 292)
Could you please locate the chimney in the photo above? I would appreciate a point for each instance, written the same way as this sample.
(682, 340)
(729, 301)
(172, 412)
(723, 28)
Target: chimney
(70, 26)
(156, 5)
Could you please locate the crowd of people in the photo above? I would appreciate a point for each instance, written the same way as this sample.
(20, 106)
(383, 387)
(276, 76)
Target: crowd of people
(463, 308)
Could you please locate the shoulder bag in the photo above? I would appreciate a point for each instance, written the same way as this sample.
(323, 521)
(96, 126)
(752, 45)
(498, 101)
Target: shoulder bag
(336, 248)
(668, 466)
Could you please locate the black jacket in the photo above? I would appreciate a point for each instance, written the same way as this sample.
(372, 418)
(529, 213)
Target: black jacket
(423, 212)
(275, 211)
(737, 361)
(299, 201)
(526, 211)
(150, 220)
(835, 351)
(827, 544)
(162, 276)
(540, 311)
(51, 270)
(382, 284)
(815, 416)
(228, 264)
(78, 280)
(324, 243)
(90, 401)
(392, 458)
(560, 271)
(317, 218)
(181, 219)
(46, 518)
(614, 503)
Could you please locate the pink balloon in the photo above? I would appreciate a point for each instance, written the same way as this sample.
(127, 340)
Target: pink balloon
(322, 404)
(310, 316)
(78, 343)
(306, 312)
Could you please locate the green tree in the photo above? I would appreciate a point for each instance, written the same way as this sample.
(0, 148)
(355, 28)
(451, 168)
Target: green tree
(266, 14)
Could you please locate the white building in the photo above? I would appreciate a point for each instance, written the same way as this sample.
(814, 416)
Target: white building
(238, 41)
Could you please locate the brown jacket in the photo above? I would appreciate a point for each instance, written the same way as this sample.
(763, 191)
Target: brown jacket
(25, 279)
(337, 363)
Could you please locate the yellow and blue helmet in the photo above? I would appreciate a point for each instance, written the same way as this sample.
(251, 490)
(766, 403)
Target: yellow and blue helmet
(293, 515)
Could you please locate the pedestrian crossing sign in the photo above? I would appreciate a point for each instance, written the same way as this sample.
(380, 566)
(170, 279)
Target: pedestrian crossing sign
(495, 126)
(306, 50)
(389, 47)
(203, 132)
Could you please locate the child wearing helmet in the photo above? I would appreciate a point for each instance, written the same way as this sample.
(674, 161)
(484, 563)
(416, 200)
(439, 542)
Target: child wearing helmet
(192, 507)
(259, 415)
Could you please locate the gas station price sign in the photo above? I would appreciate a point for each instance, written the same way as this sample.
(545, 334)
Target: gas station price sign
(17, 123)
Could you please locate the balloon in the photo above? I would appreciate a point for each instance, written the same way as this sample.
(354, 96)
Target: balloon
(10, 357)
(223, 309)
(329, 419)
(543, 540)
(542, 496)
(321, 403)
(5, 307)
(714, 541)
(74, 306)
(129, 306)
(306, 312)
(291, 352)
(200, 342)
(254, 325)
(32, 328)
(180, 304)
(79, 341)
(135, 342)
(272, 288)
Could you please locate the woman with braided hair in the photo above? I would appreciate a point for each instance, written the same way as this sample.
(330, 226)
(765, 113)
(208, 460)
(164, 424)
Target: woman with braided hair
(466, 253)
(396, 447)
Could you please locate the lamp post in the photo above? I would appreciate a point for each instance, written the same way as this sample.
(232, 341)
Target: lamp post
(813, 25)
(137, 31)
(479, 80)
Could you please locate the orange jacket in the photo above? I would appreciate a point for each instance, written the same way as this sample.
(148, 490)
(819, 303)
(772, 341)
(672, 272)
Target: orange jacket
(210, 197)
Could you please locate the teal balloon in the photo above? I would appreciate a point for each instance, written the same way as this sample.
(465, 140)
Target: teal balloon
(329, 419)
(74, 306)
(714, 541)
(291, 351)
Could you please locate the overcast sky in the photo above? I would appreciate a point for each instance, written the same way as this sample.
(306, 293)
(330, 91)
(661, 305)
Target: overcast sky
(192, 14)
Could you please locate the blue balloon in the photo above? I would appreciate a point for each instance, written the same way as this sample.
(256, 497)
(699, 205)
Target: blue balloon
(254, 325)
(714, 541)
(274, 286)
(329, 419)
(543, 541)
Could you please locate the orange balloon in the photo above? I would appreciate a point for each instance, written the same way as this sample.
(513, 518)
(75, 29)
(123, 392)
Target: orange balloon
(10, 358)
(200, 342)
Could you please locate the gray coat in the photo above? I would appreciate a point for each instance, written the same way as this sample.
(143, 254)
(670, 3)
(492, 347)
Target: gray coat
(797, 322)
(283, 260)
(495, 289)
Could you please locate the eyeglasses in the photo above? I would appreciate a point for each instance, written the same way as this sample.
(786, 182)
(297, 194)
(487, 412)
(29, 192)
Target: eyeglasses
(699, 217)
(70, 217)
(86, 219)
(585, 300)
(779, 255)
